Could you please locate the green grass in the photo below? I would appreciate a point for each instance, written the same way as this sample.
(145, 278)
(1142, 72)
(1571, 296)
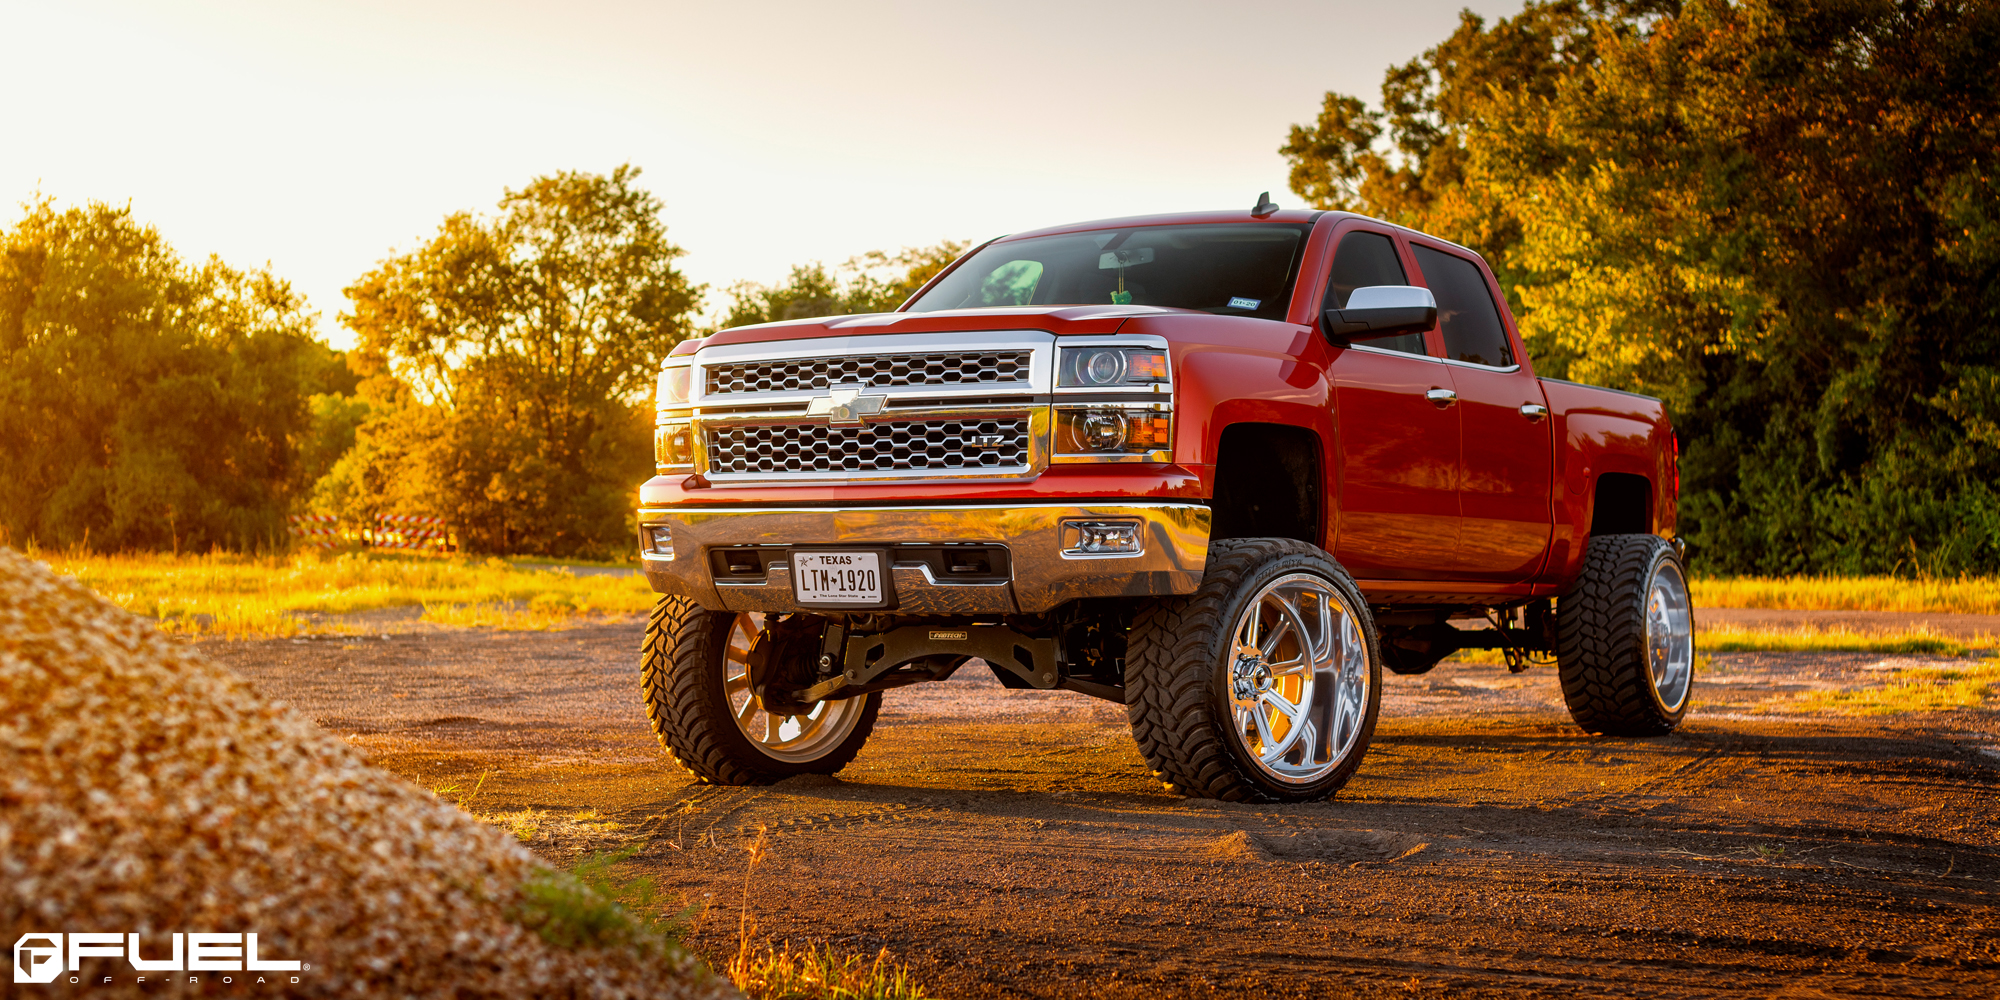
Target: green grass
(1905, 641)
(589, 907)
(1915, 689)
(1911, 641)
(254, 596)
(1971, 595)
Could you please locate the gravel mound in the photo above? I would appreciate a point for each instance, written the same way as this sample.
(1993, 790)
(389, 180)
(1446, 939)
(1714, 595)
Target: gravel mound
(145, 789)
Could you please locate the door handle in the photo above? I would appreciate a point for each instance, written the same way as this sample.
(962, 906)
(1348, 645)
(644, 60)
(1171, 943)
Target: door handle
(1442, 397)
(1534, 411)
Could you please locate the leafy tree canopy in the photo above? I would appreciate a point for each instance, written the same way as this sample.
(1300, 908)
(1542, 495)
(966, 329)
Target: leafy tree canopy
(1781, 216)
(873, 282)
(510, 360)
(146, 402)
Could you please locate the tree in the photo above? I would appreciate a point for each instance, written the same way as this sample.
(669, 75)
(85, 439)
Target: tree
(509, 363)
(875, 282)
(146, 402)
(1780, 216)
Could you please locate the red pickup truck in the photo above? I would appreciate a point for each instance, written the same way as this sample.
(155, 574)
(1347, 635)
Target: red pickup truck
(1222, 468)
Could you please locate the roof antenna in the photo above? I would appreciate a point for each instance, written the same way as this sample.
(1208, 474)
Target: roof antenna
(1265, 206)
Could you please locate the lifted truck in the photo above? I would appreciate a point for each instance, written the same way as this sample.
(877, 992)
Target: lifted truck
(1222, 468)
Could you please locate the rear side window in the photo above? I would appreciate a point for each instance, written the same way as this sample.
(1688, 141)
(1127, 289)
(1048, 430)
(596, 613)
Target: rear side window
(1466, 315)
(1363, 259)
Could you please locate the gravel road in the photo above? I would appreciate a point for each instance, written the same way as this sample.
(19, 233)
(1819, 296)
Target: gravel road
(1010, 843)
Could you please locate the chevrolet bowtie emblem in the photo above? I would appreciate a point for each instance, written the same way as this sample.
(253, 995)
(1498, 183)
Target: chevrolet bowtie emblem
(845, 406)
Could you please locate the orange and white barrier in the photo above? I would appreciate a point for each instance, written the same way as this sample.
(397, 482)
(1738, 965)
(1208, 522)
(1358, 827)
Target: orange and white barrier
(316, 529)
(389, 531)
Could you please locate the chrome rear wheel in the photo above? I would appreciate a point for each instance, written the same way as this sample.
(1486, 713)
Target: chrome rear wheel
(1625, 638)
(1670, 635)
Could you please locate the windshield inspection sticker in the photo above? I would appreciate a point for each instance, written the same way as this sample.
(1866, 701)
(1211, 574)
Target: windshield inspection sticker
(1239, 302)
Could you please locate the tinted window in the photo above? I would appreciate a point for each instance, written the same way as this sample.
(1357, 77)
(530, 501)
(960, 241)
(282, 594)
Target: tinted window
(1361, 260)
(1234, 270)
(1470, 323)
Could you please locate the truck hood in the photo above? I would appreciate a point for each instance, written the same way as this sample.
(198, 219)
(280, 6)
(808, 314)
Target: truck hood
(1059, 320)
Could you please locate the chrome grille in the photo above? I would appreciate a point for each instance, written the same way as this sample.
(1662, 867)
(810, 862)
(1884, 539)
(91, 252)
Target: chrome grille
(890, 446)
(980, 368)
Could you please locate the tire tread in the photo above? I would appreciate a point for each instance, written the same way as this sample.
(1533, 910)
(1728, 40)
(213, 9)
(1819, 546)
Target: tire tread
(1601, 640)
(681, 652)
(1169, 670)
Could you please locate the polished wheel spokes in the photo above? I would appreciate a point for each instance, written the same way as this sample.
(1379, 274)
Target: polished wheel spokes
(797, 738)
(1298, 678)
(1669, 635)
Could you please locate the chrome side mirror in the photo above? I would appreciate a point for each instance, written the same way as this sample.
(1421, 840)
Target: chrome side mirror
(1382, 311)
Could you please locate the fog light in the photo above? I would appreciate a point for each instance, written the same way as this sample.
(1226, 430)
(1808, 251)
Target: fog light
(659, 541)
(1101, 538)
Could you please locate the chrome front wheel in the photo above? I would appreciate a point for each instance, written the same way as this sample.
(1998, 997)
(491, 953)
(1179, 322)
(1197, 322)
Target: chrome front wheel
(1298, 678)
(1262, 685)
(695, 674)
(793, 738)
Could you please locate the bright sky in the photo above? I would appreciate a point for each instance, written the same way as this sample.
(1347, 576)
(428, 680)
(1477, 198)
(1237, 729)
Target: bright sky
(322, 136)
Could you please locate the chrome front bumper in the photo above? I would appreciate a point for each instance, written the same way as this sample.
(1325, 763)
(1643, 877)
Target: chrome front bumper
(1174, 554)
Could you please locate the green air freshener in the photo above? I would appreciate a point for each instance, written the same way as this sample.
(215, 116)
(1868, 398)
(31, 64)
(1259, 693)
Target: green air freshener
(1121, 298)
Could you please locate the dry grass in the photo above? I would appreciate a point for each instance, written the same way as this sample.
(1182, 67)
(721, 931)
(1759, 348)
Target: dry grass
(1971, 595)
(1915, 689)
(767, 972)
(252, 596)
(536, 617)
(544, 827)
(820, 973)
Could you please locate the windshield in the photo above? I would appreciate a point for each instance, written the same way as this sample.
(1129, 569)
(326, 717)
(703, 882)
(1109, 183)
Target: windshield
(1236, 270)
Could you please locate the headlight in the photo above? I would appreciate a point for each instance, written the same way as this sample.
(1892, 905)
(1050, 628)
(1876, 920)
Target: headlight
(1109, 367)
(673, 446)
(1107, 428)
(673, 389)
(1098, 432)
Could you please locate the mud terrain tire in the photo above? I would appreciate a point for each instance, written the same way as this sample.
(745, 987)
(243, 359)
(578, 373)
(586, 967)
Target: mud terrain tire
(1613, 676)
(1184, 660)
(683, 670)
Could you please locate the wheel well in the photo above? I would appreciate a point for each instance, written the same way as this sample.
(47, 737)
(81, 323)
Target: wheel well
(1267, 483)
(1623, 505)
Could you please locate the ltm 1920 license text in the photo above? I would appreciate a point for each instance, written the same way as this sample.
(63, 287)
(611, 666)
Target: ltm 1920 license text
(837, 577)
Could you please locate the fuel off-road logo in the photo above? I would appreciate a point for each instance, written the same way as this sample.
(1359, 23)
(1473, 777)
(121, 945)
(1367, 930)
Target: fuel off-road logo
(43, 958)
(38, 958)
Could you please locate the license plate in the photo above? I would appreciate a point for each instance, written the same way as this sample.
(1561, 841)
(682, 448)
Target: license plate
(841, 579)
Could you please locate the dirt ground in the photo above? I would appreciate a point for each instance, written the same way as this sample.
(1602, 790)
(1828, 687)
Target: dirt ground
(1012, 844)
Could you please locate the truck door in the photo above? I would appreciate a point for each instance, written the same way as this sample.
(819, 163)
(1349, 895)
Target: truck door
(1503, 484)
(1397, 517)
